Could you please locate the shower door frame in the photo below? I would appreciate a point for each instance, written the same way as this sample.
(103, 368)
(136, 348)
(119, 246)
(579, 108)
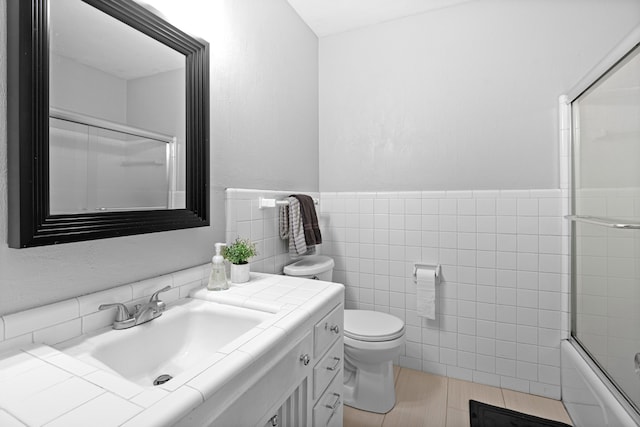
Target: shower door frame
(615, 57)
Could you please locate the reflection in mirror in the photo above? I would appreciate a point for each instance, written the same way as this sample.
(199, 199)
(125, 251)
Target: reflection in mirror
(127, 113)
(117, 115)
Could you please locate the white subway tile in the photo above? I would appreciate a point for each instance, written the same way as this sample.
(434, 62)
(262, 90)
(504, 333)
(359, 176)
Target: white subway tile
(506, 278)
(430, 222)
(467, 257)
(486, 224)
(527, 262)
(550, 207)
(145, 288)
(527, 335)
(506, 332)
(448, 206)
(448, 223)
(486, 259)
(550, 226)
(506, 260)
(527, 371)
(466, 224)
(381, 206)
(527, 280)
(527, 352)
(90, 303)
(396, 206)
(506, 207)
(527, 207)
(486, 206)
(413, 206)
(527, 225)
(507, 224)
(506, 349)
(506, 314)
(505, 367)
(448, 356)
(58, 333)
(527, 316)
(466, 240)
(430, 207)
(486, 241)
(41, 317)
(466, 207)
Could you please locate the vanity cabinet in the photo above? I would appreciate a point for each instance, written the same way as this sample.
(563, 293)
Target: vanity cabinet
(317, 400)
(299, 383)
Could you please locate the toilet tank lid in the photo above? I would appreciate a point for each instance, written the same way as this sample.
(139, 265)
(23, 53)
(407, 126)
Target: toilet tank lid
(367, 325)
(309, 265)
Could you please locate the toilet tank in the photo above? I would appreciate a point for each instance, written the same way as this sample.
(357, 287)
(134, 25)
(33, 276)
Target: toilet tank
(312, 267)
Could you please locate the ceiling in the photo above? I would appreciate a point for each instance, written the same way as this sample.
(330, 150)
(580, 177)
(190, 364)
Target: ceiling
(84, 34)
(327, 17)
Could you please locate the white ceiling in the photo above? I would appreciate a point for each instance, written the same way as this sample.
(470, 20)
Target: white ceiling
(84, 34)
(326, 17)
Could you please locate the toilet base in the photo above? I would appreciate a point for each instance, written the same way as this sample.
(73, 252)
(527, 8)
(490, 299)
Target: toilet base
(370, 388)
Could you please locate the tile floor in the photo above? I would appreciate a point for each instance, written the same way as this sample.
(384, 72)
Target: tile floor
(424, 399)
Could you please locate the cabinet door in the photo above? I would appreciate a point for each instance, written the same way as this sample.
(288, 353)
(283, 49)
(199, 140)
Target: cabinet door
(291, 413)
(271, 390)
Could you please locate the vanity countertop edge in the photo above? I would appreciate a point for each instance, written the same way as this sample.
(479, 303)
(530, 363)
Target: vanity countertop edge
(295, 301)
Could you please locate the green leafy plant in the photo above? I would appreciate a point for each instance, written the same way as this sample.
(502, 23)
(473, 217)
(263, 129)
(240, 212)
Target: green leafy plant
(239, 251)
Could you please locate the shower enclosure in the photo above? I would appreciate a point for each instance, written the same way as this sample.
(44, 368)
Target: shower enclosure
(98, 165)
(605, 226)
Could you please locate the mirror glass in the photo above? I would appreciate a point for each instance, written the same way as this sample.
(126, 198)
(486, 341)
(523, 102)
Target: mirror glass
(117, 115)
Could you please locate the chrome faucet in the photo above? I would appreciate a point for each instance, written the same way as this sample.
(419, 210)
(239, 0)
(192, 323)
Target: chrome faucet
(142, 313)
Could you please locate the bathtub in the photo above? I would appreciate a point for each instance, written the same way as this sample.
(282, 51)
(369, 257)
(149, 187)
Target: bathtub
(588, 396)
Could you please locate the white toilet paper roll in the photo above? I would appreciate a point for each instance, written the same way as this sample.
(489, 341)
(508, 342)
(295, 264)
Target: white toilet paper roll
(426, 292)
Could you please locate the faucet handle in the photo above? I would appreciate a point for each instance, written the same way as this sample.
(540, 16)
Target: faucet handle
(154, 297)
(122, 313)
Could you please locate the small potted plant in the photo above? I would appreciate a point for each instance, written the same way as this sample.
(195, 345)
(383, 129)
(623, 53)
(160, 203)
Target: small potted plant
(238, 254)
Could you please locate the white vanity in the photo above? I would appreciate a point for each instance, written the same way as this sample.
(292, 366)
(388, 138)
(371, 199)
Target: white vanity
(265, 353)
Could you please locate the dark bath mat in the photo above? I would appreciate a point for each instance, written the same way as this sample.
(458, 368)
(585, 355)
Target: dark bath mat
(483, 415)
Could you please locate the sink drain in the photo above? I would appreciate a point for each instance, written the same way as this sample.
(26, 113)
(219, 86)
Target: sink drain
(162, 379)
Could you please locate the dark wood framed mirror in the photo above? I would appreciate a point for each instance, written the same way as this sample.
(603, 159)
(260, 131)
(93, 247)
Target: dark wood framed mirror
(31, 221)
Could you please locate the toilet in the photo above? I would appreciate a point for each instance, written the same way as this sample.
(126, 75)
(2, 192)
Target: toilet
(371, 341)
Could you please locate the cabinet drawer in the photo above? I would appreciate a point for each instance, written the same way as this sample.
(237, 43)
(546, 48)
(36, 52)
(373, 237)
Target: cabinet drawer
(327, 331)
(327, 368)
(328, 409)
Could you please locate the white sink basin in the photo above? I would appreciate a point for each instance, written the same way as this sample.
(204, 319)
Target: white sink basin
(180, 341)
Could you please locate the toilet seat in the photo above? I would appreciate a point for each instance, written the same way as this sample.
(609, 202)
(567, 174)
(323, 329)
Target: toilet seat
(372, 326)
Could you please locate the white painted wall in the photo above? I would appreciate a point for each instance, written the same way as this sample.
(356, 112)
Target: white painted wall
(76, 87)
(158, 102)
(463, 98)
(264, 103)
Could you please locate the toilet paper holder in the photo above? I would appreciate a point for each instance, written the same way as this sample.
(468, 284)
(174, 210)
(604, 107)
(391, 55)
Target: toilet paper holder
(435, 267)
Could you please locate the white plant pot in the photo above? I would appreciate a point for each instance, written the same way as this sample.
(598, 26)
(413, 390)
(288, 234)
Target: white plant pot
(239, 273)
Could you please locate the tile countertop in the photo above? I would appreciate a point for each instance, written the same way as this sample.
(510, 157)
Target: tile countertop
(42, 386)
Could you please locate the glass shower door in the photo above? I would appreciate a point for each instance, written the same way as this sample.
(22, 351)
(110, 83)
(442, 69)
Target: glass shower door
(606, 226)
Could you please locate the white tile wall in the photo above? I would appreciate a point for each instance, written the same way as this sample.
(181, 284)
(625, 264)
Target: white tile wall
(244, 219)
(54, 323)
(503, 302)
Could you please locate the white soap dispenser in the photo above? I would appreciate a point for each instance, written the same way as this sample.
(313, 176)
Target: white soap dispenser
(218, 277)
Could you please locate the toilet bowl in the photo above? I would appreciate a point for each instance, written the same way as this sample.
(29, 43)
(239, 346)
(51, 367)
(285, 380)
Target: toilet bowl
(371, 341)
